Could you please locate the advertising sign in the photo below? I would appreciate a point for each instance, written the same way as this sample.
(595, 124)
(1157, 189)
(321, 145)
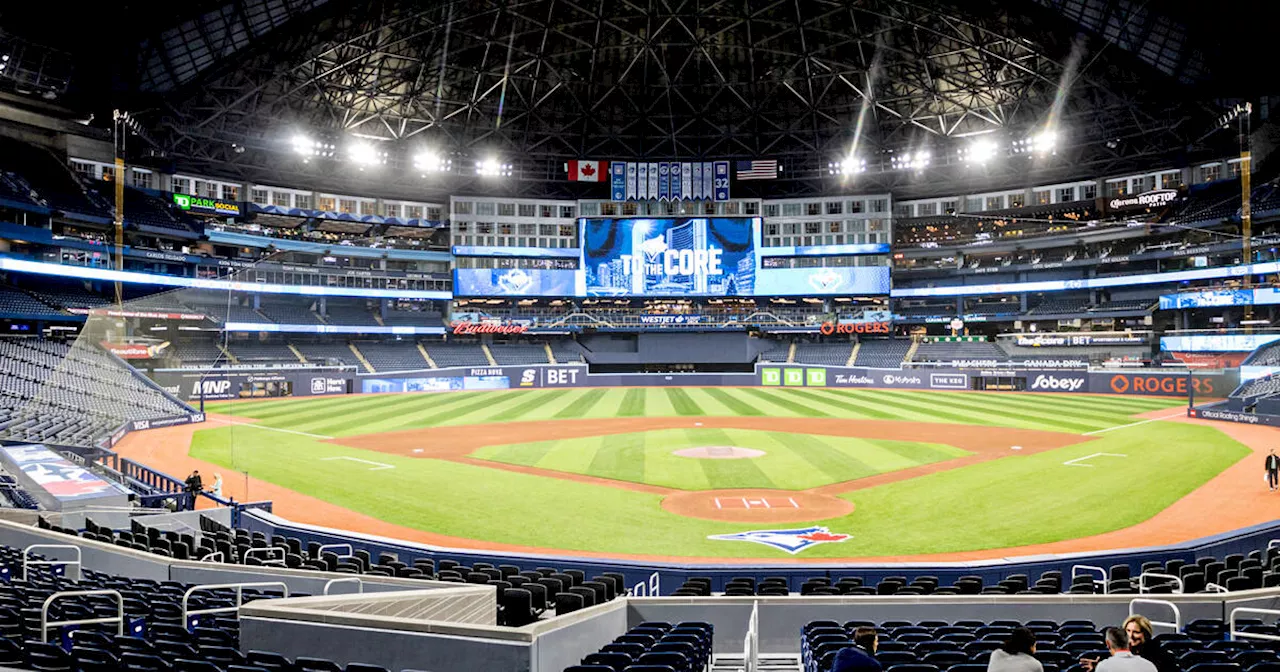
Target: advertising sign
(135, 350)
(842, 280)
(670, 257)
(201, 204)
(1157, 198)
(515, 282)
(829, 328)
(56, 475)
(1170, 384)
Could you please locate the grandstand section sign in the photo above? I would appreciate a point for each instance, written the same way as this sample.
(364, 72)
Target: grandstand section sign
(204, 205)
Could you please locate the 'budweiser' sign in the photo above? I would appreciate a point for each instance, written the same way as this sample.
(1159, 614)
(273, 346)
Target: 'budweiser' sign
(468, 328)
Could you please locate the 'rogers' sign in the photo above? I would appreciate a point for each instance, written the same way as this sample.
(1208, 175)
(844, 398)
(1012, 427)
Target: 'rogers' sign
(471, 328)
(829, 328)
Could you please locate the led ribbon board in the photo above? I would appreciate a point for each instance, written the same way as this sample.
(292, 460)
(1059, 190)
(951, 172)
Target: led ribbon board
(107, 275)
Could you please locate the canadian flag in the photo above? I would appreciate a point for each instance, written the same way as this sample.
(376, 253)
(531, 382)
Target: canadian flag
(588, 171)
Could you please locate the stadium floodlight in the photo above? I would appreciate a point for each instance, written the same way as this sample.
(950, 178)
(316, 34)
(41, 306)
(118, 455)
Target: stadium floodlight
(427, 161)
(491, 167)
(364, 154)
(911, 160)
(1042, 143)
(308, 148)
(851, 165)
(979, 151)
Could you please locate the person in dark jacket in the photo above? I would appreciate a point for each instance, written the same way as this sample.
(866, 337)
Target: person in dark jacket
(194, 486)
(861, 656)
(1273, 470)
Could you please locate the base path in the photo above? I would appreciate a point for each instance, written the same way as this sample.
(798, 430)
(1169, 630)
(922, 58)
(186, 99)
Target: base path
(1234, 499)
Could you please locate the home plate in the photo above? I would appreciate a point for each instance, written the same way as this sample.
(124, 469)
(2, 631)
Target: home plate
(1015, 447)
(417, 450)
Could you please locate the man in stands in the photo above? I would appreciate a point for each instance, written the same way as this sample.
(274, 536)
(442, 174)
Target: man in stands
(859, 657)
(1273, 470)
(194, 485)
(1122, 659)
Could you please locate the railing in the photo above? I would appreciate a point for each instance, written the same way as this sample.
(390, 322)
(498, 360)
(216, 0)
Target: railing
(28, 562)
(1176, 624)
(215, 557)
(1090, 569)
(271, 556)
(239, 587)
(330, 547)
(337, 582)
(1166, 578)
(118, 619)
(1232, 633)
(1212, 587)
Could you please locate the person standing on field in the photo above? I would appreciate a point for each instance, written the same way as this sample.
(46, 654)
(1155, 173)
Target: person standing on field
(1273, 470)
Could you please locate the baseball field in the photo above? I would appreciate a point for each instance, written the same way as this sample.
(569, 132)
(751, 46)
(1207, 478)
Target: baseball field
(663, 471)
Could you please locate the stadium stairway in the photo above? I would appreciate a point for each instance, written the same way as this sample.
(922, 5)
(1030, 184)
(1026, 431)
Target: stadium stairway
(426, 356)
(791, 353)
(360, 356)
(488, 354)
(853, 356)
(551, 357)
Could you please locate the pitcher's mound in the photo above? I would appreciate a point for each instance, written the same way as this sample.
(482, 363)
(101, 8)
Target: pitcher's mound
(719, 452)
(753, 505)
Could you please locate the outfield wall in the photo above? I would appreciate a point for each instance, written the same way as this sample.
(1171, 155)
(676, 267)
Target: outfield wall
(231, 384)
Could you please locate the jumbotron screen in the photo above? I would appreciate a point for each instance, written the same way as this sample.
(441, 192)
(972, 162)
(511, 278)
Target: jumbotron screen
(671, 257)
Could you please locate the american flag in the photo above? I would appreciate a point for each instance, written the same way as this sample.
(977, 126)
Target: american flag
(757, 170)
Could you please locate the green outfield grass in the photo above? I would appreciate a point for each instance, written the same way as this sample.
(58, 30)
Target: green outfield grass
(790, 461)
(1021, 499)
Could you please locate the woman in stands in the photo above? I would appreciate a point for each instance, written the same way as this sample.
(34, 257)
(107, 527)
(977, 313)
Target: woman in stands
(1016, 654)
(1141, 644)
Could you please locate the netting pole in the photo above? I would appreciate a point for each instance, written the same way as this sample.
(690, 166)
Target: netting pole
(118, 145)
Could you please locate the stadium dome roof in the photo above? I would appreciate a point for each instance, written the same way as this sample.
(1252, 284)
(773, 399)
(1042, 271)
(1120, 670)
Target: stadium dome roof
(805, 81)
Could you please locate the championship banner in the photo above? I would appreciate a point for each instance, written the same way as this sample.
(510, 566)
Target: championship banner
(618, 181)
(642, 183)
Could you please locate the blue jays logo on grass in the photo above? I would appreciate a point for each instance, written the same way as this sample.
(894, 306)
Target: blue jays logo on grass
(791, 541)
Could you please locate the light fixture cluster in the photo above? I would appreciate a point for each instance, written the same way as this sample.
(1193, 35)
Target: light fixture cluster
(366, 154)
(493, 168)
(4, 62)
(979, 151)
(918, 160)
(428, 161)
(850, 165)
(310, 148)
(1044, 143)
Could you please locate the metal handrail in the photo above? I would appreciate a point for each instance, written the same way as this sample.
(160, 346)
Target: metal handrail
(647, 588)
(210, 557)
(332, 582)
(351, 553)
(186, 597)
(28, 562)
(1231, 622)
(271, 552)
(1142, 581)
(1177, 615)
(1106, 588)
(118, 619)
(1273, 543)
(1212, 587)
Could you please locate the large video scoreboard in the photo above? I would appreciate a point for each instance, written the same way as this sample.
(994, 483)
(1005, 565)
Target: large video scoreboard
(669, 257)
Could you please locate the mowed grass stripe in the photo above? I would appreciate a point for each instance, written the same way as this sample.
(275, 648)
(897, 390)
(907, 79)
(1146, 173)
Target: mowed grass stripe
(528, 454)
(620, 457)
(879, 404)
(730, 473)
(458, 415)
(1019, 404)
(633, 403)
(927, 412)
(838, 465)
(681, 402)
(536, 400)
(337, 421)
(328, 413)
(319, 406)
(850, 409)
(1033, 418)
(582, 406)
(1094, 405)
(733, 401)
(710, 404)
(778, 399)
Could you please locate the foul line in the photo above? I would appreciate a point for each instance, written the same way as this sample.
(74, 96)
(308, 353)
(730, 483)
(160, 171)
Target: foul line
(1072, 463)
(1135, 424)
(378, 466)
(274, 429)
